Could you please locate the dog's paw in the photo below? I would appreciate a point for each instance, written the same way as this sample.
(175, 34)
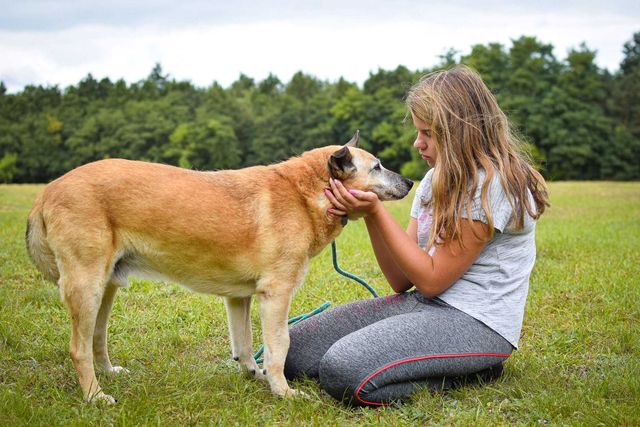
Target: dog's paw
(256, 374)
(293, 393)
(289, 393)
(101, 398)
(116, 370)
(261, 374)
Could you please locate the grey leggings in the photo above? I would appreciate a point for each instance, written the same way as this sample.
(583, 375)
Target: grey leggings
(378, 351)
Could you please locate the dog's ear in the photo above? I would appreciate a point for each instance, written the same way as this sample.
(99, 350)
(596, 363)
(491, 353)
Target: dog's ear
(341, 163)
(353, 142)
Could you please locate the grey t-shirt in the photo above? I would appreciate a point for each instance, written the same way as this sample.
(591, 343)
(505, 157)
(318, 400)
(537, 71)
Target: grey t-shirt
(494, 289)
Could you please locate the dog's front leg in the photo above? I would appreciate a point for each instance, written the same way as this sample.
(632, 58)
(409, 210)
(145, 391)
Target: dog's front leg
(274, 311)
(239, 319)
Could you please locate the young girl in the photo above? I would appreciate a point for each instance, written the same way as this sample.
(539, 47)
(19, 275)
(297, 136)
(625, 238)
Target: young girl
(468, 252)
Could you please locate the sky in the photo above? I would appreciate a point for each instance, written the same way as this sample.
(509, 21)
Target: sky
(59, 42)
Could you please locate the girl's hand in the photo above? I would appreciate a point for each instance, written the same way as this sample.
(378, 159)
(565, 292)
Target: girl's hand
(352, 203)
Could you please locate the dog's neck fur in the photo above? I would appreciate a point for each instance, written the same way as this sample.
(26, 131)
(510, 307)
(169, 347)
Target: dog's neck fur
(311, 190)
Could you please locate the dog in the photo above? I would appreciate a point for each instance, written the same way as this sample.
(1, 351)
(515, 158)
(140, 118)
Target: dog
(233, 233)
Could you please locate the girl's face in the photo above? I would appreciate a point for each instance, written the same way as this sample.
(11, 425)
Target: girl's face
(425, 142)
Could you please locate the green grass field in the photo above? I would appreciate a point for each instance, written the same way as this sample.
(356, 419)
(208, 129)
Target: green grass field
(579, 361)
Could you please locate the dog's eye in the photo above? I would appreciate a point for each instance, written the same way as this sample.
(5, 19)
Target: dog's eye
(376, 167)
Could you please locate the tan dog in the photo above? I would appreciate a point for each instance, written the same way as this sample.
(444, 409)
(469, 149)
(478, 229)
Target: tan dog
(233, 233)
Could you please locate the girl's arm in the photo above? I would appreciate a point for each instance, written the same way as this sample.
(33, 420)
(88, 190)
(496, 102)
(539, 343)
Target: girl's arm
(431, 275)
(394, 275)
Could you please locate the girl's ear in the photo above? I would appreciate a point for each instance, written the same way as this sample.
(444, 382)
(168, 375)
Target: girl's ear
(341, 164)
(353, 142)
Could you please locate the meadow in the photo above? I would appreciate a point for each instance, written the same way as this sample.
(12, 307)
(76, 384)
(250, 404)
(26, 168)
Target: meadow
(578, 362)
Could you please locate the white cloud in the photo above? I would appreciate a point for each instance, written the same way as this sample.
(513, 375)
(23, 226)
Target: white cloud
(327, 48)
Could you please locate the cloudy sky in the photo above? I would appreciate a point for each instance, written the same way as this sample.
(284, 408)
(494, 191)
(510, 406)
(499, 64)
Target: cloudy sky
(58, 42)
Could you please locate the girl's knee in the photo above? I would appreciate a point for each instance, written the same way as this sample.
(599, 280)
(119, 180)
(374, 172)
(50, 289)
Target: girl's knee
(338, 375)
(298, 365)
(303, 356)
(344, 375)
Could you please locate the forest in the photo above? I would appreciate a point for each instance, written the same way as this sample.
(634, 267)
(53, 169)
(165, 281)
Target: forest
(580, 122)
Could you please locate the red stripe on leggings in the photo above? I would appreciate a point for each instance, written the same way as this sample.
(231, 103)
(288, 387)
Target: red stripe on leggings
(414, 359)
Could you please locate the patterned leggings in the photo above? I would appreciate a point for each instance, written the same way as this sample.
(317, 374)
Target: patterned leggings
(378, 351)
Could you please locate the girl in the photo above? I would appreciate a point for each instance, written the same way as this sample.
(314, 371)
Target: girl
(468, 252)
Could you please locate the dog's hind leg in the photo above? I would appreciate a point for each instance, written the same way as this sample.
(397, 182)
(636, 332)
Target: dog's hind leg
(100, 351)
(82, 292)
(239, 319)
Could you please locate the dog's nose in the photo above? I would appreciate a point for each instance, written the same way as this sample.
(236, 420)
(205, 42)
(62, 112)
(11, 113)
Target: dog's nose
(408, 182)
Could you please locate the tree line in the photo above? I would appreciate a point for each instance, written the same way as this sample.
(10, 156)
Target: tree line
(579, 121)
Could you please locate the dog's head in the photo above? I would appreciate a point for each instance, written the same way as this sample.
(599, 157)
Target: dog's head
(359, 169)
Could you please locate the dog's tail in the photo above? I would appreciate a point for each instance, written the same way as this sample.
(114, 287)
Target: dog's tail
(37, 245)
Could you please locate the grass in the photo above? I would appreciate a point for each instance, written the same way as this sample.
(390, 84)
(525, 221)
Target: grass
(579, 361)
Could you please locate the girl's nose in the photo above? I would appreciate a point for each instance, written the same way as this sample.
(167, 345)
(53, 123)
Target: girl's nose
(419, 144)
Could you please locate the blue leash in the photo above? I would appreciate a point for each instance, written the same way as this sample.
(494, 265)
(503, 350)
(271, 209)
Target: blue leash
(323, 307)
(334, 257)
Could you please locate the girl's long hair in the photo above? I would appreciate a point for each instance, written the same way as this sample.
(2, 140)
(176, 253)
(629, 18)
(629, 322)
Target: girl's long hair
(471, 133)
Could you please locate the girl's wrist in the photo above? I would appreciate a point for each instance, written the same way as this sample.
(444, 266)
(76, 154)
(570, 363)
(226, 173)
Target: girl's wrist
(376, 210)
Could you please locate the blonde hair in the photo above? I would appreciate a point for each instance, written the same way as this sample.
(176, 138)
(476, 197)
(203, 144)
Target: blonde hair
(471, 133)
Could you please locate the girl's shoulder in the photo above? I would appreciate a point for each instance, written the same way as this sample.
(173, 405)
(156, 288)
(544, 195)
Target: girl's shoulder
(501, 204)
(424, 188)
(495, 186)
